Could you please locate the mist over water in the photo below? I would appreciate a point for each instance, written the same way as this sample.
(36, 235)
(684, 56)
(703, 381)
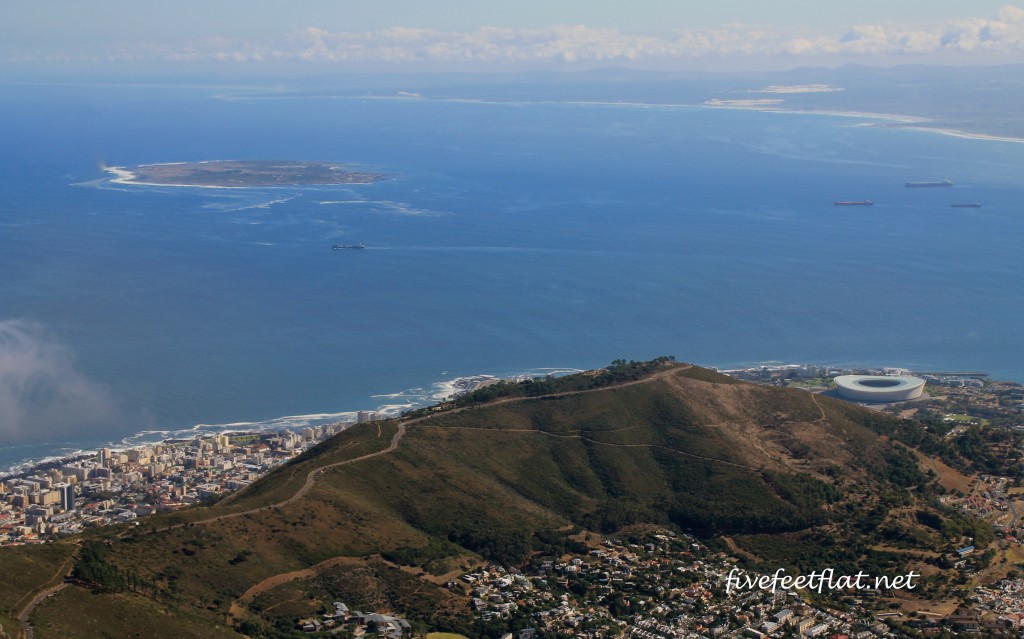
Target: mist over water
(511, 237)
(42, 395)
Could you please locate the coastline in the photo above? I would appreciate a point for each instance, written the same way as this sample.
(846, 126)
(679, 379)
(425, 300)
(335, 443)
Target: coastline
(956, 133)
(766, 108)
(186, 468)
(911, 122)
(124, 176)
(402, 401)
(871, 115)
(143, 439)
(414, 398)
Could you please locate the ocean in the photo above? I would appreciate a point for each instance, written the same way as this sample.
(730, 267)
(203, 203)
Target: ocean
(511, 237)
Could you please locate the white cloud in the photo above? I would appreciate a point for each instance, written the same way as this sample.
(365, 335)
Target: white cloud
(41, 392)
(1010, 14)
(573, 44)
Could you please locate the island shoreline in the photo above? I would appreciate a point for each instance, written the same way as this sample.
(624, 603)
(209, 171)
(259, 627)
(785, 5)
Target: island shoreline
(211, 174)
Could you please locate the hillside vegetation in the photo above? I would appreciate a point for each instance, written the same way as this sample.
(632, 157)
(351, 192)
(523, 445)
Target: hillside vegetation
(373, 514)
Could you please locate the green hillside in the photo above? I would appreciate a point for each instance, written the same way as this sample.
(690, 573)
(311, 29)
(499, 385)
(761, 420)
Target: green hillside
(379, 513)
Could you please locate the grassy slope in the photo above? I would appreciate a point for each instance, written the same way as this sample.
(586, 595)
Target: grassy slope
(25, 570)
(693, 448)
(191, 566)
(78, 612)
(285, 481)
(576, 456)
(213, 563)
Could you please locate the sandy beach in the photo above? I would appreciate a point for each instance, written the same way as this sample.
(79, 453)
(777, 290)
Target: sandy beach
(908, 121)
(964, 134)
(889, 117)
(124, 176)
(739, 105)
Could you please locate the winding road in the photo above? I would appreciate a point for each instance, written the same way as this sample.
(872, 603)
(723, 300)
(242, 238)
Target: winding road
(25, 631)
(403, 427)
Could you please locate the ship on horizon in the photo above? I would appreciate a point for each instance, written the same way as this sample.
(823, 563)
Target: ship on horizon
(343, 247)
(946, 182)
(854, 203)
(966, 205)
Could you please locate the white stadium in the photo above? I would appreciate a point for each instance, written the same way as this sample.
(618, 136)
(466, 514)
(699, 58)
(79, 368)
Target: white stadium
(878, 388)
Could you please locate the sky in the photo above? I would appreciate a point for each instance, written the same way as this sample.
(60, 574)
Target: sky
(525, 34)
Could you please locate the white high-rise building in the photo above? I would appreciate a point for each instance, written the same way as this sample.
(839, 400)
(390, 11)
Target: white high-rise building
(67, 495)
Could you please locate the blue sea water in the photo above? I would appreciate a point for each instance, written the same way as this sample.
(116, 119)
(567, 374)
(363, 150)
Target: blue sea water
(512, 237)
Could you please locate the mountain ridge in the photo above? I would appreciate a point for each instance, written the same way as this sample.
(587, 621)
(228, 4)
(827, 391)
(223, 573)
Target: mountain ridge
(506, 471)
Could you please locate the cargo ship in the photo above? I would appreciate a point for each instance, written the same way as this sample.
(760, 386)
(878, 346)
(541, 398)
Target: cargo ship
(854, 203)
(946, 182)
(343, 247)
(967, 205)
